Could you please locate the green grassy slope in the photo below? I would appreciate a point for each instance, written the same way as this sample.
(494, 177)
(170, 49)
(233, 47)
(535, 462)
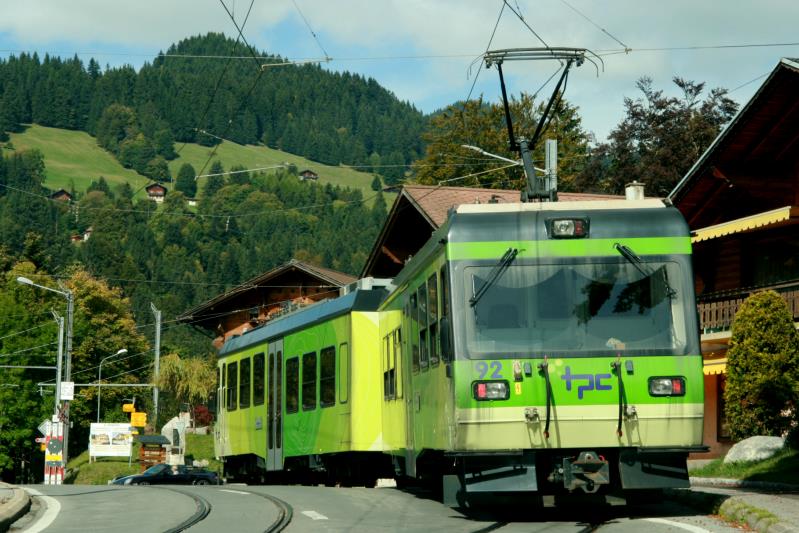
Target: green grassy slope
(74, 157)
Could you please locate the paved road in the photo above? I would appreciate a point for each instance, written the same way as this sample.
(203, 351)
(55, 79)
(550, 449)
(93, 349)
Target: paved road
(234, 508)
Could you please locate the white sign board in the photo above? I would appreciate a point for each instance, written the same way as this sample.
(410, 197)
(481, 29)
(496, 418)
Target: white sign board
(110, 440)
(67, 391)
(44, 427)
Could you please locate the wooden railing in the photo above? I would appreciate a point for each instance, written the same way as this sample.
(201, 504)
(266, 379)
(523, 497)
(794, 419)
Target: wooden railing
(716, 312)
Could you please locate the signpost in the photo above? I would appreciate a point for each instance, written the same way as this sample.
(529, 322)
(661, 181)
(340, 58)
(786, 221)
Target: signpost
(110, 440)
(67, 391)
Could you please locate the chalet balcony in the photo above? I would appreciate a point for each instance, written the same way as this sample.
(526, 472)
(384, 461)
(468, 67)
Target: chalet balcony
(717, 310)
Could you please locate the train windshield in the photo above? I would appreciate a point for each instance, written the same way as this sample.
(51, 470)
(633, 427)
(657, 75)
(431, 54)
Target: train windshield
(577, 309)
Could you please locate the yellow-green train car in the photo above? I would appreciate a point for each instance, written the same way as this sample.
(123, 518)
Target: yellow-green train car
(543, 348)
(301, 395)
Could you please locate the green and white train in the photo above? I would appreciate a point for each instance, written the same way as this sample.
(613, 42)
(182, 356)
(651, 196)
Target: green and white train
(534, 347)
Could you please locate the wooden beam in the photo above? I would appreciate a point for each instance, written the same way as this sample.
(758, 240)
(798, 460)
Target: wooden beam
(390, 255)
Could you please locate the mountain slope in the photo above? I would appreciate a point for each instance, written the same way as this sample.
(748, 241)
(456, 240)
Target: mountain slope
(73, 158)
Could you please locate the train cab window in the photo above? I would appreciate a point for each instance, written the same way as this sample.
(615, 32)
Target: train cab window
(309, 381)
(343, 372)
(397, 339)
(244, 383)
(413, 333)
(327, 376)
(292, 385)
(232, 386)
(432, 307)
(258, 379)
(424, 337)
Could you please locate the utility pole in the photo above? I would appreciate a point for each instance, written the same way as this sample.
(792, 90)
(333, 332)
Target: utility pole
(68, 358)
(60, 321)
(157, 314)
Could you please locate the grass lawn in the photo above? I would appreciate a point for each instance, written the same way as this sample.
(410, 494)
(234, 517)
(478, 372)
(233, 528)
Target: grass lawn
(73, 157)
(781, 468)
(100, 472)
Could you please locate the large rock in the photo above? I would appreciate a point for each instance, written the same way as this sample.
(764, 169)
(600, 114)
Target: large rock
(754, 449)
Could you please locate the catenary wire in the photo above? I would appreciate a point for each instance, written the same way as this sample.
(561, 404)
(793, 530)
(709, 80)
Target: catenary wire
(597, 26)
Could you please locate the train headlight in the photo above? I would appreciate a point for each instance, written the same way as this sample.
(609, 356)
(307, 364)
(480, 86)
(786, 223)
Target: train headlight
(668, 386)
(490, 390)
(568, 228)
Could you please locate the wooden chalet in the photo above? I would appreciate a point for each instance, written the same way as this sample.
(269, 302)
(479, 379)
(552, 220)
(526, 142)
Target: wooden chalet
(741, 201)
(156, 191)
(264, 297)
(420, 209)
(308, 175)
(61, 195)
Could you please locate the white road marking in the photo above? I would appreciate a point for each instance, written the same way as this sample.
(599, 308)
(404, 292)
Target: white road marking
(687, 527)
(313, 515)
(234, 491)
(52, 508)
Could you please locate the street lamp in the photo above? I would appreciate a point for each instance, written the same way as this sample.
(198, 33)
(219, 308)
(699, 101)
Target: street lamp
(100, 376)
(66, 293)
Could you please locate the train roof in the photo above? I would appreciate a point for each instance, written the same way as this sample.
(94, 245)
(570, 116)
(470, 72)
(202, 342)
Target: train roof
(357, 300)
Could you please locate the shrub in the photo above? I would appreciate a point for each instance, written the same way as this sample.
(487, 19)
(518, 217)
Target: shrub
(202, 416)
(761, 392)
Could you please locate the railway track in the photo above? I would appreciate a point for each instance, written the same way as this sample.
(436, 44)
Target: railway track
(202, 510)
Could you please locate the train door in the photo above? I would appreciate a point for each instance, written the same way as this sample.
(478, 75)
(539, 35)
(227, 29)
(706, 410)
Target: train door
(274, 409)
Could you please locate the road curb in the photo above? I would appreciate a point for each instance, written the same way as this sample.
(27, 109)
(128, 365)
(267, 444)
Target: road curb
(16, 506)
(731, 508)
(740, 484)
(736, 509)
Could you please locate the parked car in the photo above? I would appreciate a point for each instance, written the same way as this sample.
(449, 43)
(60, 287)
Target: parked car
(163, 474)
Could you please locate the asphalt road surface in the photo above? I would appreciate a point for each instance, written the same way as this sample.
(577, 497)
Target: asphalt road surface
(240, 508)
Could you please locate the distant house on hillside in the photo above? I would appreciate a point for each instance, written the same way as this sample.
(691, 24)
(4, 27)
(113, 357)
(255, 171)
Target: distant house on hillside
(156, 192)
(308, 175)
(61, 195)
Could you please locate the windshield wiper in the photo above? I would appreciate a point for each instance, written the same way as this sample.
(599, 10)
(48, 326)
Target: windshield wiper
(635, 261)
(504, 262)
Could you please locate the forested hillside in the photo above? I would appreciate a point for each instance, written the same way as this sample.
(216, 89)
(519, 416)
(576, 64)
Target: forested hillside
(327, 117)
(176, 256)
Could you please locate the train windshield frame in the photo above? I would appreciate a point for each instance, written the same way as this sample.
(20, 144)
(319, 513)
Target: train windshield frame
(577, 309)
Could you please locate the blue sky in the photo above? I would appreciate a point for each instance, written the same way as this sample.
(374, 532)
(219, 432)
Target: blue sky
(443, 37)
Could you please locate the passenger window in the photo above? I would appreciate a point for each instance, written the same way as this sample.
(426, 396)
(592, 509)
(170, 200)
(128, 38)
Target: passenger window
(386, 387)
(327, 377)
(222, 403)
(309, 381)
(292, 385)
(244, 384)
(424, 349)
(343, 373)
(398, 360)
(414, 333)
(258, 379)
(232, 387)
(432, 306)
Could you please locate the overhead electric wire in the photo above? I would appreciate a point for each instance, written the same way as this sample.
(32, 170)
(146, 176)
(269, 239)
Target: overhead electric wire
(9, 354)
(221, 76)
(488, 47)
(749, 82)
(521, 18)
(27, 330)
(600, 28)
(322, 48)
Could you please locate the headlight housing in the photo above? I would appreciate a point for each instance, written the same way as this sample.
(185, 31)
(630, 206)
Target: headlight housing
(490, 390)
(667, 386)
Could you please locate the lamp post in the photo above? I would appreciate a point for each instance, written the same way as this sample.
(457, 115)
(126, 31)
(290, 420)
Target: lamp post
(67, 355)
(100, 376)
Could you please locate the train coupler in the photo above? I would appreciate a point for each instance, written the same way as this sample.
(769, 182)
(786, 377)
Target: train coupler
(587, 472)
